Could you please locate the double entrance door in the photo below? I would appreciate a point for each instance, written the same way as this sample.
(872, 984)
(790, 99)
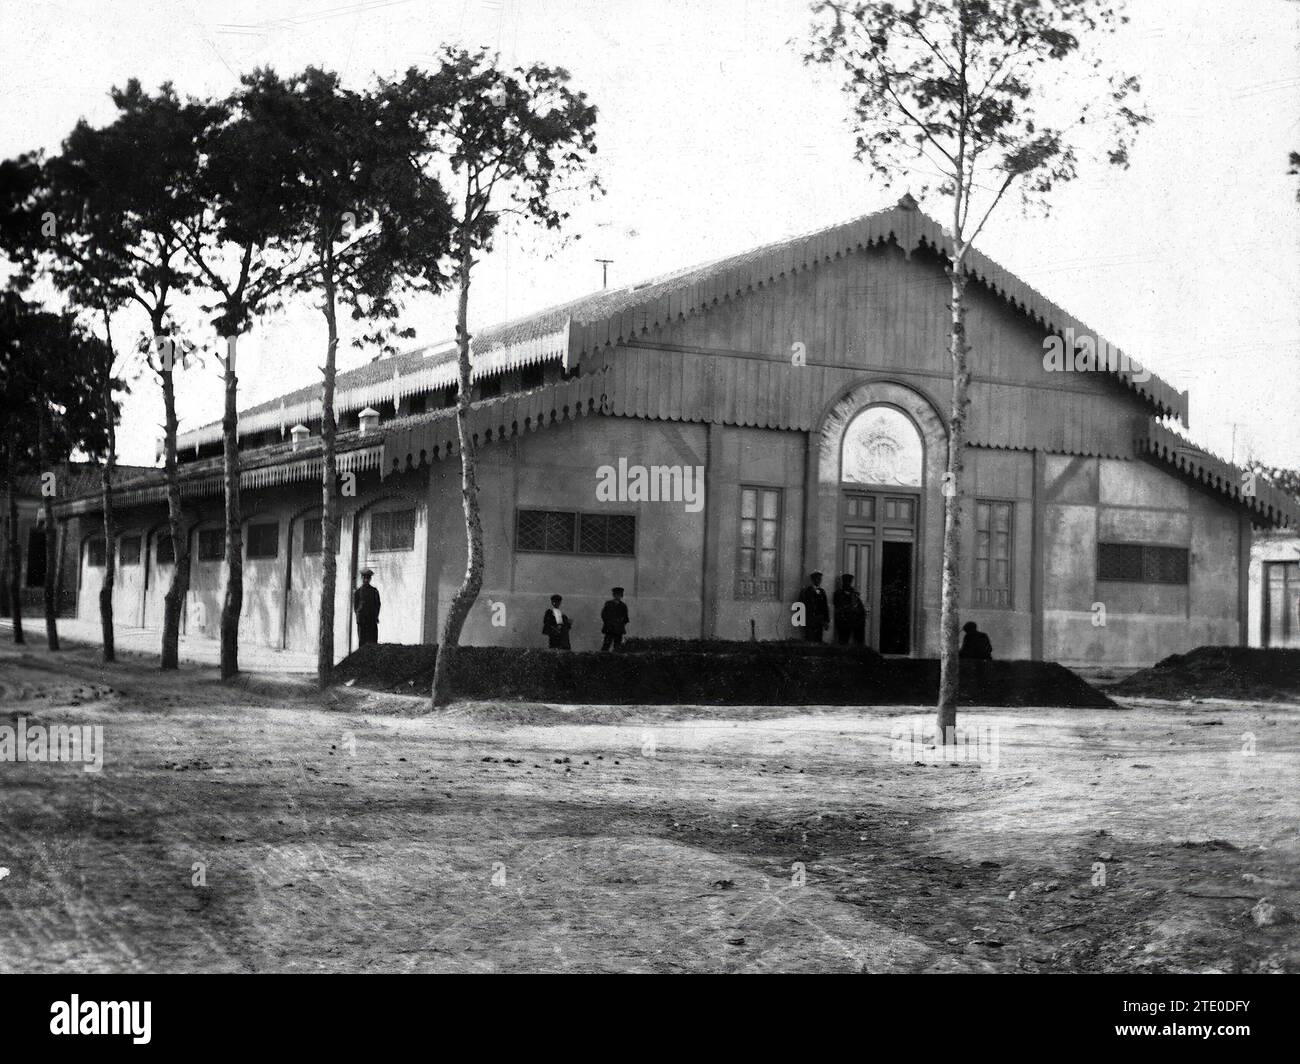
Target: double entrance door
(878, 534)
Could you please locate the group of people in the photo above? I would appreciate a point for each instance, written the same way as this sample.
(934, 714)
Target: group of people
(845, 605)
(849, 610)
(850, 614)
(614, 620)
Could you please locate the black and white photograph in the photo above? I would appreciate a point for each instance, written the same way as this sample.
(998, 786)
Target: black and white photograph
(598, 487)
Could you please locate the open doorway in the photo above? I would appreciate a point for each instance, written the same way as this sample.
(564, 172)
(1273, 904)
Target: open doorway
(896, 598)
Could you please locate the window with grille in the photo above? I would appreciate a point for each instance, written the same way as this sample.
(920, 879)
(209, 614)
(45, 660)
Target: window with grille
(606, 534)
(212, 544)
(1142, 563)
(96, 555)
(392, 530)
(567, 532)
(166, 550)
(758, 566)
(993, 554)
(313, 536)
(263, 540)
(129, 550)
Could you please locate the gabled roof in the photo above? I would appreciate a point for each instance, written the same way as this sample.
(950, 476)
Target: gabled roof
(562, 333)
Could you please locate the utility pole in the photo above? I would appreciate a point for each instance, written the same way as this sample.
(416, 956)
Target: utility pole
(604, 272)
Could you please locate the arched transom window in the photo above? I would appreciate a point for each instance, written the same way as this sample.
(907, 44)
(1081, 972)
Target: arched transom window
(882, 446)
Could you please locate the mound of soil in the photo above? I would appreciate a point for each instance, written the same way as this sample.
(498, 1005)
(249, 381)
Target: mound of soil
(785, 674)
(1251, 674)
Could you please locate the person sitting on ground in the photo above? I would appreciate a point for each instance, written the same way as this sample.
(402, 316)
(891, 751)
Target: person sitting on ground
(975, 645)
(556, 625)
(613, 620)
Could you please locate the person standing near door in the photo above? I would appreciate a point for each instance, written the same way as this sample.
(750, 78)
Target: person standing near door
(816, 611)
(850, 613)
(365, 603)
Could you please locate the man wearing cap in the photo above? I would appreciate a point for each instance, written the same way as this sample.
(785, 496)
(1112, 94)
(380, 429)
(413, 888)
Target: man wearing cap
(365, 603)
(556, 625)
(816, 611)
(614, 620)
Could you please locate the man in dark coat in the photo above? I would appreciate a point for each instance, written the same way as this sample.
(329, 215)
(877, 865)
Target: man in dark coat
(816, 611)
(975, 645)
(850, 613)
(556, 625)
(365, 603)
(613, 620)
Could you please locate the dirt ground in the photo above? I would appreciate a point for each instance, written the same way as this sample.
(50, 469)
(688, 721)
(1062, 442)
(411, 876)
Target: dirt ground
(261, 827)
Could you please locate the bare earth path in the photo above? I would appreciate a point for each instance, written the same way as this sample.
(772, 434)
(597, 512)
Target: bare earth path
(261, 827)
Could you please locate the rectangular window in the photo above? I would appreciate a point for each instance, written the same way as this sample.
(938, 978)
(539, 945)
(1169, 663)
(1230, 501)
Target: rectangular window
(568, 532)
(392, 530)
(129, 550)
(1142, 563)
(166, 549)
(759, 563)
(993, 554)
(606, 534)
(212, 544)
(263, 540)
(95, 553)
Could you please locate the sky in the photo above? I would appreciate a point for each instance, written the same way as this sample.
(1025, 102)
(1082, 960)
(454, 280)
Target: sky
(714, 138)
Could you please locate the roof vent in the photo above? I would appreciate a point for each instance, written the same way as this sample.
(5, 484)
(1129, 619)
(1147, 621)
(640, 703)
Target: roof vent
(299, 433)
(368, 420)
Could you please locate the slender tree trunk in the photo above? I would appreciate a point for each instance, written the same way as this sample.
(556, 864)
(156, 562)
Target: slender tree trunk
(473, 582)
(329, 493)
(950, 619)
(233, 603)
(174, 600)
(15, 555)
(106, 490)
(47, 511)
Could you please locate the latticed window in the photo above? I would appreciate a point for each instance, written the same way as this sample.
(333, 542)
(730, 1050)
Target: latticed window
(606, 534)
(758, 565)
(313, 536)
(392, 530)
(212, 544)
(129, 550)
(552, 531)
(993, 525)
(567, 532)
(263, 540)
(1142, 563)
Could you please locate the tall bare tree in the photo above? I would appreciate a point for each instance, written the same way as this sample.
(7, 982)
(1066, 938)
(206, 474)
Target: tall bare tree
(507, 142)
(975, 99)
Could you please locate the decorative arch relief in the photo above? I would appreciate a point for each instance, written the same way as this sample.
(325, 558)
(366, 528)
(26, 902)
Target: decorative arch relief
(882, 446)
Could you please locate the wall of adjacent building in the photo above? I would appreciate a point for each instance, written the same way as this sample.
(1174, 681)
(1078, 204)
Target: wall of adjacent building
(1089, 501)
(281, 606)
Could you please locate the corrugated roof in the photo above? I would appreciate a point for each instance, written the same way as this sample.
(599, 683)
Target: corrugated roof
(1271, 504)
(563, 332)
